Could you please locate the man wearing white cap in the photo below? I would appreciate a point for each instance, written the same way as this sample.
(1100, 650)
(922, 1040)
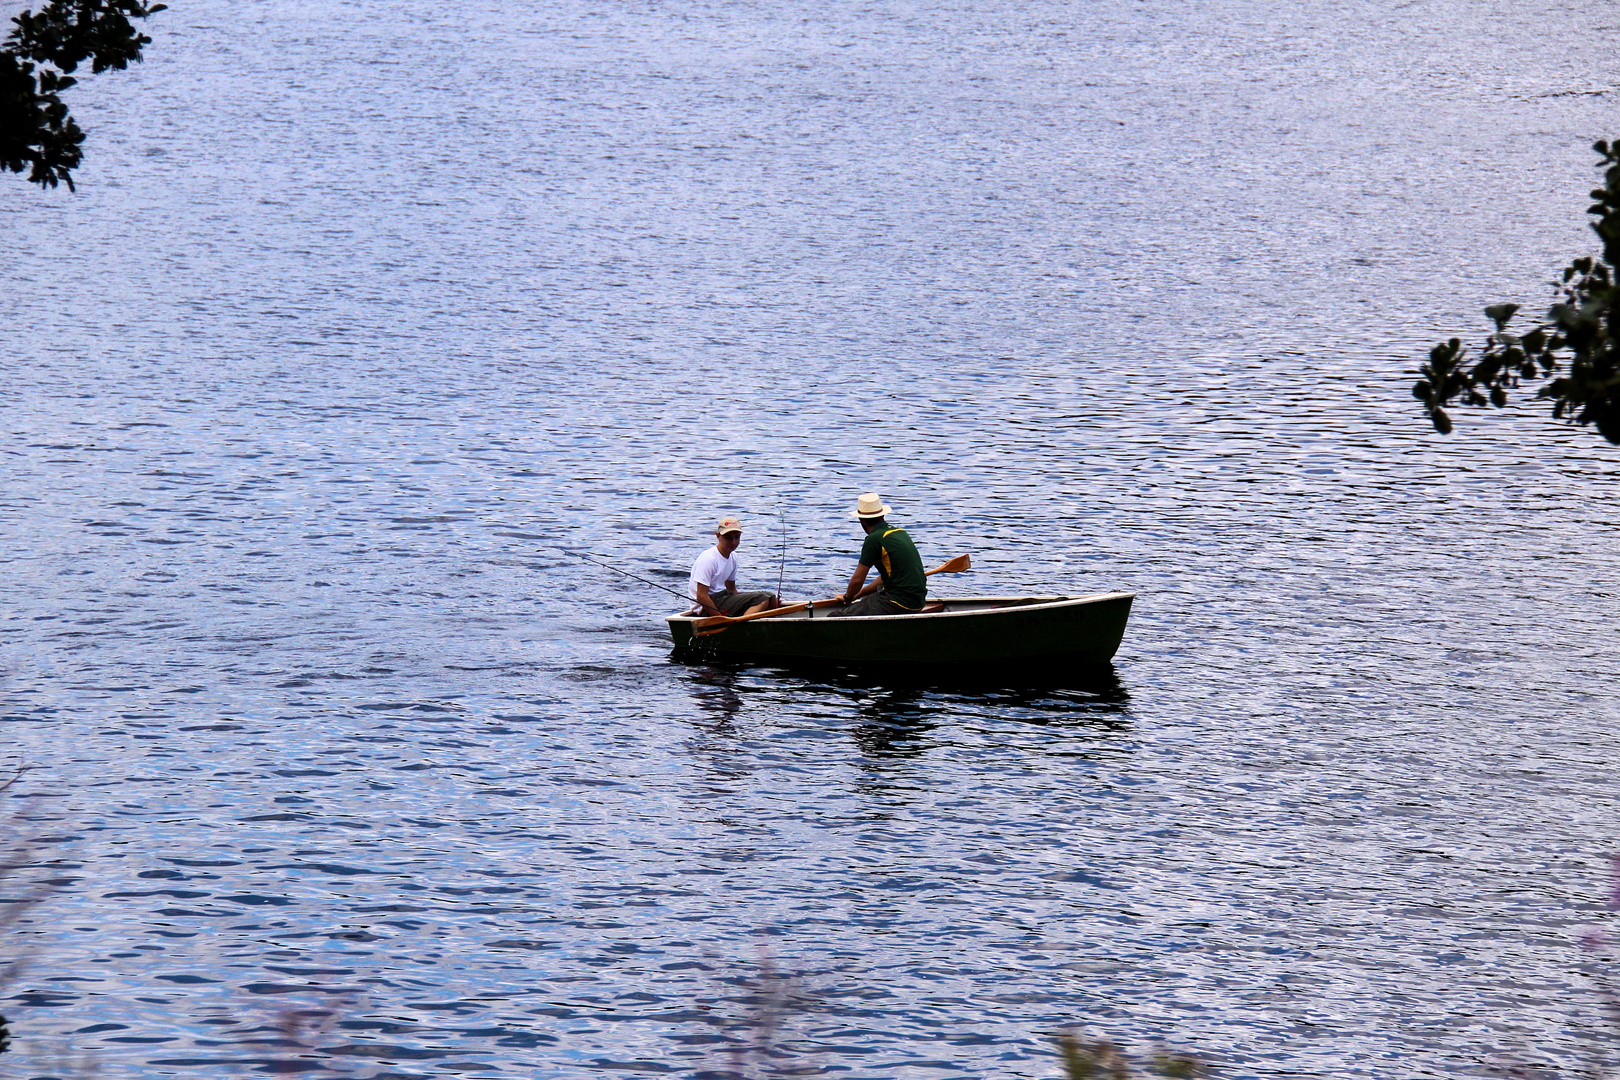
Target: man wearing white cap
(902, 587)
(714, 577)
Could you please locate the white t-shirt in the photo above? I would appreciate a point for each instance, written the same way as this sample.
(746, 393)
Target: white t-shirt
(713, 570)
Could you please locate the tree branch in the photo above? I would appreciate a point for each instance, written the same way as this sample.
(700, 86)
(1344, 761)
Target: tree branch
(36, 63)
(1576, 349)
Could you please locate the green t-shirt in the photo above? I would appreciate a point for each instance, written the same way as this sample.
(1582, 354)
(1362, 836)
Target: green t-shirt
(895, 556)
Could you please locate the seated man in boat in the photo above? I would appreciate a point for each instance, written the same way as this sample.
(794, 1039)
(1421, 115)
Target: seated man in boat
(902, 587)
(714, 577)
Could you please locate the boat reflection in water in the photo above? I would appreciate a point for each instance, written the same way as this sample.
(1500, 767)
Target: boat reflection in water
(890, 695)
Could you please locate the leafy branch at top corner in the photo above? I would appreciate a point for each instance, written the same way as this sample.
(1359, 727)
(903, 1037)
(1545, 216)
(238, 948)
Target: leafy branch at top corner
(1575, 348)
(37, 61)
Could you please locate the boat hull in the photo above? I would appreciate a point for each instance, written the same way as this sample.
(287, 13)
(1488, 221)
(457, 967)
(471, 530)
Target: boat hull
(1054, 633)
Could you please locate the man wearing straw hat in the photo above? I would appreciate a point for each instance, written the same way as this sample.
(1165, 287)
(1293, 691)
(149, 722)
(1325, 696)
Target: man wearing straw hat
(902, 587)
(714, 577)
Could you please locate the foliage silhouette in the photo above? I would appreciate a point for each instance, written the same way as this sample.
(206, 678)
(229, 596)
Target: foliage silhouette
(1102, 1060)
(1576, 348)
(37, 61)
(13, 856)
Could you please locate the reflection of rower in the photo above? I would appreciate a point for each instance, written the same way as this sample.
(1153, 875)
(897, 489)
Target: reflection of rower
(902, 587)
(714, 577)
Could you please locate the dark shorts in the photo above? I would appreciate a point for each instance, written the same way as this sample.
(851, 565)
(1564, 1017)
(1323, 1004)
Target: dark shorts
(879, 603)
(735, 603)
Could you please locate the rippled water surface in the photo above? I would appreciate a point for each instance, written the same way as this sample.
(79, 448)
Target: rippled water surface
(366, 316)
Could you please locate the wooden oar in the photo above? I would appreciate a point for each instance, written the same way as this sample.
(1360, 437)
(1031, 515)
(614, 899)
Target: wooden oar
(716, 623)
(723, 621)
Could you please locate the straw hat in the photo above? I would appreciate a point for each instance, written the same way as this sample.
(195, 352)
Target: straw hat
(728, 525)
(870, 506)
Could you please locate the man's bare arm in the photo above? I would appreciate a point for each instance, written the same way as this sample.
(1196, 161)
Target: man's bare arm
(705, 603)
(855, 592)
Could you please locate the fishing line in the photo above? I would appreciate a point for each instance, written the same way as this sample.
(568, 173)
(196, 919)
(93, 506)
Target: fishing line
(628, 574)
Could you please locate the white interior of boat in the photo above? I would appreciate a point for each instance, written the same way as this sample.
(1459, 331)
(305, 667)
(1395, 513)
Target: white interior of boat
(943, 607)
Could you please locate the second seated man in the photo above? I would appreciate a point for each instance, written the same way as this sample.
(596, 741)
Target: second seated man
(714, 577)
(902, 587)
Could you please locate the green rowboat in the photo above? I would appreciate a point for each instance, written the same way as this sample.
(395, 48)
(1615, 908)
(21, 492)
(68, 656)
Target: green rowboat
(1054, 633)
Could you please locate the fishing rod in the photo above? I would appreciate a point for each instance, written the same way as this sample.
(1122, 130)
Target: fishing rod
(628, 574)
(782, 567)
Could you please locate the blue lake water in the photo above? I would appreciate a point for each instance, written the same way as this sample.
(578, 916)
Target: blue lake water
(365, 316)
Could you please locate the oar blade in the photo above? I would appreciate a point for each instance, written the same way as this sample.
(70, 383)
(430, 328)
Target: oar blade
(954, 566)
